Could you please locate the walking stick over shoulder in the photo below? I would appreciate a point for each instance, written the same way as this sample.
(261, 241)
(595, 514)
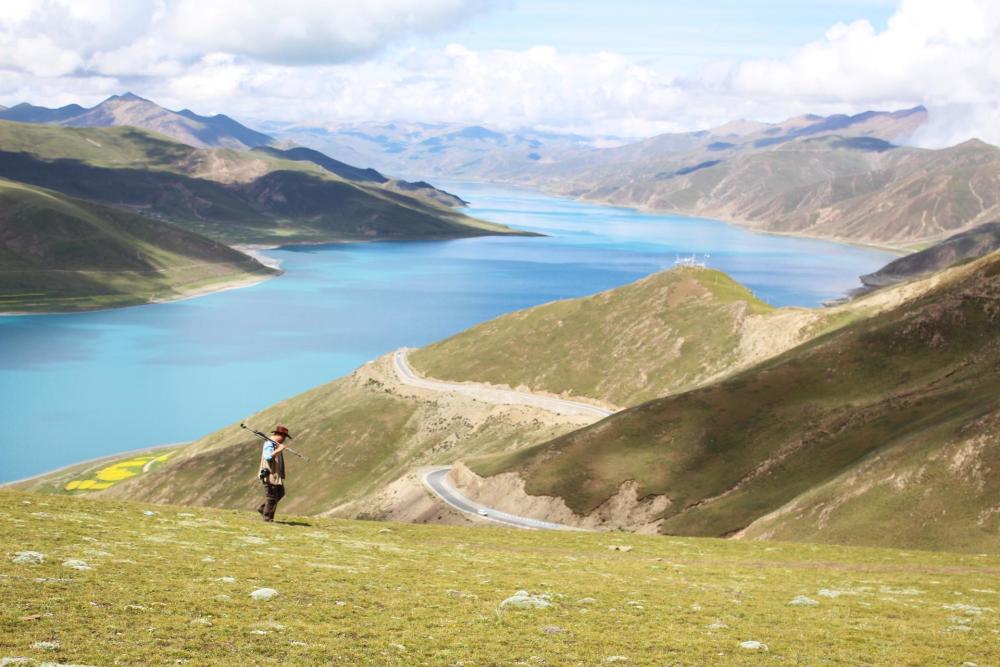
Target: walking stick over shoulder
(265, 437)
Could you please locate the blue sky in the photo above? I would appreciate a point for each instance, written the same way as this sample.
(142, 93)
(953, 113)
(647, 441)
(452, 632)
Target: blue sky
(669, 33)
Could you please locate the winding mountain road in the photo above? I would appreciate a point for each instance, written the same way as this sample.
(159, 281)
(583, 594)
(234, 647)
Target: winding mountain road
(491, 394)
(436, 479)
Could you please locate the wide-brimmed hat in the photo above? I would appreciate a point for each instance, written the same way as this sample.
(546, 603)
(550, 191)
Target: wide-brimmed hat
(281, 430)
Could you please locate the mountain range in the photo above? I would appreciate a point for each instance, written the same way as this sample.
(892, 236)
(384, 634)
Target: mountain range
(238, 196)
(108, 172)
(450, 150)
(840, 177)
(843, 177)
(133, 111)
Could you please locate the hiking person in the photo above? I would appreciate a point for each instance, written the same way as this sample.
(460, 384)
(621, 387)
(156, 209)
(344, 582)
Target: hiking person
(272, 471)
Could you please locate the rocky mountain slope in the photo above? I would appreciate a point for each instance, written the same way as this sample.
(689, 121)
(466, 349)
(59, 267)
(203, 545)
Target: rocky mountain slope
(131, 110)
(882, 432)
(234, 196)
(61, 253)
(841, 179)
(977, 242)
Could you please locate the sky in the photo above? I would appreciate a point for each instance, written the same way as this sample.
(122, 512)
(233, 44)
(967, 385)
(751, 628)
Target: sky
(626, 68)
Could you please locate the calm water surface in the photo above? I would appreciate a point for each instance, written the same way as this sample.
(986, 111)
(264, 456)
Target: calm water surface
(73, 387)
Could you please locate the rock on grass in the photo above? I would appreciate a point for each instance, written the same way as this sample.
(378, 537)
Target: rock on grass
(46, 646)
(525, 600)
(263, 594)
(803, 601)
(76, 564)
(28, 558)
(753, 645)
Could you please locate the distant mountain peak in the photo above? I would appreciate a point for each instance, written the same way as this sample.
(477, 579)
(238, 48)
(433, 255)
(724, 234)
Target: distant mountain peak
(129, 109)
(902, 113)
(975, 143)
(126, 97)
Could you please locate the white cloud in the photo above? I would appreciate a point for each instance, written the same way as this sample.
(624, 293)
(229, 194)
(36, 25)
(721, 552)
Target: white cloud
(122, 37)
(942, 54)
(298, 60)
(311, 31)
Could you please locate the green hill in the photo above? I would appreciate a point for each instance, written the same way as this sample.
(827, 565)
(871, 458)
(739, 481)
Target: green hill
(62, 253)
(124, 583)
(362, 433)
(882, 432)
(666, 333)
(230, 195)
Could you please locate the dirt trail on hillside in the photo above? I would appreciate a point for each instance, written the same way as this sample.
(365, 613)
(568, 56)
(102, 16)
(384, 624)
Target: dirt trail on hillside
(477, 420)
(488, 393)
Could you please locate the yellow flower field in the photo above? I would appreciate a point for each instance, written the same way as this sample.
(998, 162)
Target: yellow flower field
(116, 472)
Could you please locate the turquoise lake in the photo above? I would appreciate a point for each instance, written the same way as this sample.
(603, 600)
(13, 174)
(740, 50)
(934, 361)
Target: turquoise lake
(74, 387)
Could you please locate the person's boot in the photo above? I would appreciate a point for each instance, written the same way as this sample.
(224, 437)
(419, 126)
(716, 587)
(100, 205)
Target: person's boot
(260, 509)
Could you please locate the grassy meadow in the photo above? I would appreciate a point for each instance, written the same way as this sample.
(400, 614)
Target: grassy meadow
(132, 584)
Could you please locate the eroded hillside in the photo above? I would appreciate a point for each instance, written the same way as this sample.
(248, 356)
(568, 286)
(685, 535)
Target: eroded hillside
(883, 432)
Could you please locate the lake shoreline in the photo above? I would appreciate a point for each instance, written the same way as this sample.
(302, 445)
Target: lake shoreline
(741, 223)
(93, 461)
(193, 293)
(255, 251)
(128, 370)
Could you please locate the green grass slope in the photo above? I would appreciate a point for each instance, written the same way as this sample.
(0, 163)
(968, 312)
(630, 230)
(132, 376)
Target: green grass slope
(235, 196)
(366, 431)
(361, 433)
(174, 587)
(882, 432)
(663, 334)
(61, 253)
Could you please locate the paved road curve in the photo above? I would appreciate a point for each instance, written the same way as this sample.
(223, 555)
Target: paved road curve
(437, 481)
(490, 394)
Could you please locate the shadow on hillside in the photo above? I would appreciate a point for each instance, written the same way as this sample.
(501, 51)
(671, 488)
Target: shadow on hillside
(293, 523)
